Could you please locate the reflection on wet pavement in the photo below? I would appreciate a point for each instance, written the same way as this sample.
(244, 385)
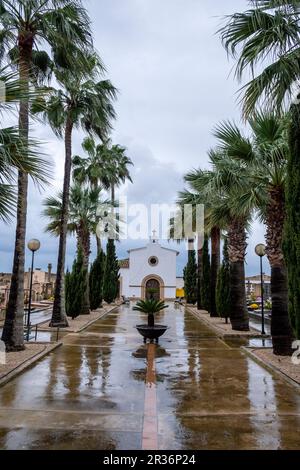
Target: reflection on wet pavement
(104, 389)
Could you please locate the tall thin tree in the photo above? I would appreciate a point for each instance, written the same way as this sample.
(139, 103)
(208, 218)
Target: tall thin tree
(26, 24)
(82, 101)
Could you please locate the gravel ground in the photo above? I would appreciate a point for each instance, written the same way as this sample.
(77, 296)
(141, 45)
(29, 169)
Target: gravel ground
(283, 363)
(16, 359)
(219, 325)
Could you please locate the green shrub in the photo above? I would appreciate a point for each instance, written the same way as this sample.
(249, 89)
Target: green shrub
(75, 287)
(111, 274)
(223, 286)
(96, 281)
(190, 278)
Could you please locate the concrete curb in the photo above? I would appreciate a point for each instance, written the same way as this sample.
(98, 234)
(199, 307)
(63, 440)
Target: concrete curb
(29, 362)
(270, 367)
(46, 329)
(252, 333)
(96, 319)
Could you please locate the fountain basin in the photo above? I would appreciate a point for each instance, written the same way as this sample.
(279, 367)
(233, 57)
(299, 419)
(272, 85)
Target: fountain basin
(153, 333)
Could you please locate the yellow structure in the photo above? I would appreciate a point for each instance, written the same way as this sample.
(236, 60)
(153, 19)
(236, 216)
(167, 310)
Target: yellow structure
(180, 293)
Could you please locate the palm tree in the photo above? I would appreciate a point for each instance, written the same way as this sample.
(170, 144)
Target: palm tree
(231, 178)
(115, 171)
(198, 196)
(60, 25)
(93, 169)
(82, 101)
(223, 186)
(264, 162)
(106, 165)
(189, 219)
(150, 307)
(267, 169)
(82, 220)
(265, 37)
(15, 154)
(90, 169)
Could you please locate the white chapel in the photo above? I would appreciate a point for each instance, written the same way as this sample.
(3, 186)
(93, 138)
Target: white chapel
(150, 271)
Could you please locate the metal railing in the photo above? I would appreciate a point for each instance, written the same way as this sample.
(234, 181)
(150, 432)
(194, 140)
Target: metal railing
(36, 330)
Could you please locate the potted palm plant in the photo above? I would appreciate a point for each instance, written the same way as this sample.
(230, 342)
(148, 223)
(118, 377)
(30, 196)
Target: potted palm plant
(151, 307)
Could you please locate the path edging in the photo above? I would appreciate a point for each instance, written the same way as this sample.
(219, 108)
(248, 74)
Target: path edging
(96, 319)
(46, 329)
(251, 334)
(29, 362)
(270, 367)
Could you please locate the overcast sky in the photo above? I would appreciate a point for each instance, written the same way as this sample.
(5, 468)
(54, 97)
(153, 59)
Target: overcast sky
(174, 85)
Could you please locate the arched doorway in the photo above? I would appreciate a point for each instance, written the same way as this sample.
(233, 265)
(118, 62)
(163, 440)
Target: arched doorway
(152, 289)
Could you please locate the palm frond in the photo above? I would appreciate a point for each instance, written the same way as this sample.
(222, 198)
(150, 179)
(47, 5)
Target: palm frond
(256, 35)
(8, 202)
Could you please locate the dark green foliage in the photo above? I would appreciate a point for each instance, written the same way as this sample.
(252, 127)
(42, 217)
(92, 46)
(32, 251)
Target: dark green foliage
(150, 306)
(292, 230)
(223, 286)
(190, 278)
(96, 281)
(68, 292)
(205, 281)
(111, 274)
(75, 287)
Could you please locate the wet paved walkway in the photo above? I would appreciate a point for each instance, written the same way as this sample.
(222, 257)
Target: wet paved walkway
(104, 389)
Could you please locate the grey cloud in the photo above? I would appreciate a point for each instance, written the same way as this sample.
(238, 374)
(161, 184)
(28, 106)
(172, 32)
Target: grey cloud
(174, 82)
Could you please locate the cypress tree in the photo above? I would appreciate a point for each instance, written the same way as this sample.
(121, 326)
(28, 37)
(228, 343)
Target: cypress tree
(111, 274)
(205, 281)
(190, 278)
(75, 286)
(96, 281)
(292, 229)
(223, 286)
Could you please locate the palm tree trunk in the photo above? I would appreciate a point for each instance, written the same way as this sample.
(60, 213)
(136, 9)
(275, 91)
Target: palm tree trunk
(239, 316)
(59, 317)
(13, 330)
(113, 194)
(281, 330)
(150, 319)
(237, 245)
(215, 265)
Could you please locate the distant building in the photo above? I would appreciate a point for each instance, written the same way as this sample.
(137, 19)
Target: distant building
(253, 286)
(43, 283)
(150, 271)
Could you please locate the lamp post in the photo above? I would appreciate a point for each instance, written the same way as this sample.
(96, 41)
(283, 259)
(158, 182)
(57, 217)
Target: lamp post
(33, 245)
(260, 250)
